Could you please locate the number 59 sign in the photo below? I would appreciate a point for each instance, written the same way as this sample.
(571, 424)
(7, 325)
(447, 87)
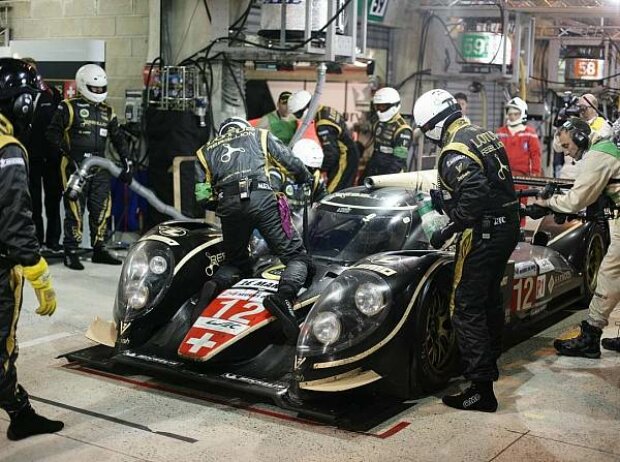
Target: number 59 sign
(377, 9)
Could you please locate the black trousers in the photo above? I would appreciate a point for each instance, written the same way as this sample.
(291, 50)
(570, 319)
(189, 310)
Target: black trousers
(96, 196)
(13, 398)
(477, 302)
(239, 219)
(46, 173)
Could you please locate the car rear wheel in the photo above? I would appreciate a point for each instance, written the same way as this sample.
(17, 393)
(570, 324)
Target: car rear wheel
(434, 349)
(594, 256)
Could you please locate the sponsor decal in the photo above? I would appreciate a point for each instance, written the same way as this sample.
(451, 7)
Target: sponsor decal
(273, 273)
(343, 210)
(103, 132)
(221, 323)
(557, 280)
(504, 281)
(171, 231)
(377, 269)
(214, 260)
(299, 361)
(263, 284)
(84, 113)
(463, 176)
(541, 284)
(252, 381)
(13, 161)
(544, 265)
(124, 326)
(551, 284)
(499, 221)
(525, 268)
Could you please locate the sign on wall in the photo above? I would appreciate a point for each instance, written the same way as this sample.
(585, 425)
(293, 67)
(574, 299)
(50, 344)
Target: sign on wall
(376, 10)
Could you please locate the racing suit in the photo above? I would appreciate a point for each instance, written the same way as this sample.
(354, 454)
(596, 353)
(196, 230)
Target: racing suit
(45, 168)
(599, 174)
(80, 129)
(479, 198)
(523, 149)
(392, 140)
(341, 156)
(19, 247)
(236, 165)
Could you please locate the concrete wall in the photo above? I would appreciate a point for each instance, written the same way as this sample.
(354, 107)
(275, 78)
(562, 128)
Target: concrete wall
(123, 24)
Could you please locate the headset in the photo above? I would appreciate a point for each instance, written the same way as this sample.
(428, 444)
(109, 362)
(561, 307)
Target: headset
(23, 106)
(579, 134)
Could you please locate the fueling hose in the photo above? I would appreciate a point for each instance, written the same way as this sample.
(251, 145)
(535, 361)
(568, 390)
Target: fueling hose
(78, 180)
(321, 72)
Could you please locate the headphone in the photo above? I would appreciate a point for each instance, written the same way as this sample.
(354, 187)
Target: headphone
(579, 135)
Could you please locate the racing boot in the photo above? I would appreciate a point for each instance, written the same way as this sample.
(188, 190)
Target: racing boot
(72, 260)
(586, 345)
(281, 307)
(101, 255)
(25, 422)
(478, 397)
(612, 344)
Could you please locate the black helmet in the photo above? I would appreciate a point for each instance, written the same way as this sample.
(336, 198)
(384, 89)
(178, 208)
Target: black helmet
(231, 123)
(19, 83)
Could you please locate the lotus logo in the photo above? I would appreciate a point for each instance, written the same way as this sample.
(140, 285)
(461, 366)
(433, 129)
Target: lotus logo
(171, 231)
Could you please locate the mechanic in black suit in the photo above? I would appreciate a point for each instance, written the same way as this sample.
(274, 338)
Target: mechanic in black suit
(477, 193)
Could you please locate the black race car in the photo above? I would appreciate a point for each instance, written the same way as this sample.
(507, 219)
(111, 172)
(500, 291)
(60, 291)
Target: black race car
(376, 316)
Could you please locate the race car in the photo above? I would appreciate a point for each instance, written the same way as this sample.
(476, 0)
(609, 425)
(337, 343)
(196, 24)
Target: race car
(375, 317)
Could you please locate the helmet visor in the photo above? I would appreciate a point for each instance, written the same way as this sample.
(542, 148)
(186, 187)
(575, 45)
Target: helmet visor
(383, 107)
(97, 90)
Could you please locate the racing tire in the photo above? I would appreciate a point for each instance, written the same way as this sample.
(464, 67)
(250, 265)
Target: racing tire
(434, 350)
(595, 251)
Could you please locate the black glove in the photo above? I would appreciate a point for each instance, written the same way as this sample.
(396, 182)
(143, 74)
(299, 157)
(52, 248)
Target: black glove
(441, 236)
(437, 200)
(536, 211)
(126, 175)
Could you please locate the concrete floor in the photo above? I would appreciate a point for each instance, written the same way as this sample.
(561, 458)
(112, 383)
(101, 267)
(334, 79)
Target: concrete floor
(551, 408)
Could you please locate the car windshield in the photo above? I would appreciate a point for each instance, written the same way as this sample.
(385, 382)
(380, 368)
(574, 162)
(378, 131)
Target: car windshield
(349, 236)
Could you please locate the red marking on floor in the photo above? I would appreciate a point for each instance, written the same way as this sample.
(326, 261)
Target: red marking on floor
(197, 395)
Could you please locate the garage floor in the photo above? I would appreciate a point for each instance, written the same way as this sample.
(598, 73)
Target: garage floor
(551, 408)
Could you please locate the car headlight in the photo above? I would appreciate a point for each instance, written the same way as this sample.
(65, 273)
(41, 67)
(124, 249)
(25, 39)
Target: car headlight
(326, 328)
(147, 273)
(349, 310)
(370, 297)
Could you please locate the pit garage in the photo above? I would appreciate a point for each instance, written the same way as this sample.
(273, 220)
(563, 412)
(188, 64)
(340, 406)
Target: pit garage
(119, 339)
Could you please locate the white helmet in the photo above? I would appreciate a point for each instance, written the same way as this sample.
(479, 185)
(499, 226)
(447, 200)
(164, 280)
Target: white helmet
(92, 82)
(309, 152)
(390, 100)
(298, 103)
(520, 105)
(431, 111)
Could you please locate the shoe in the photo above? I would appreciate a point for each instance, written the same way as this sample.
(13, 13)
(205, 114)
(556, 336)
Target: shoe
(54, 247)
(28, 423)
(72, 260)
(101, 255)
(612, 344)
(282, 309)
(586, 344)
(478, 397)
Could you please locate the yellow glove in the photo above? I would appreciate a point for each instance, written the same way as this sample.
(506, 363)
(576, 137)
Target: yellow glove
(41, 281)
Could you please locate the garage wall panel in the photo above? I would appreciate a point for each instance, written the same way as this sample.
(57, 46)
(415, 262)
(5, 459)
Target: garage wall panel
(123, 24)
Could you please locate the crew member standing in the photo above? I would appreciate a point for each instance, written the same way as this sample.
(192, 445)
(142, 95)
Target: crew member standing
(80, 129)
(233, 171)
(280, 123)
(599, 174)
(477, 194)
(340, 152)
(19, 248)
(392, 135)
(44, 167)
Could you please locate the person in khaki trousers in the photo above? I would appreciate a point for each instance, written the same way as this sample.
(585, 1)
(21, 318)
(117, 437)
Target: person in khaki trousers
(600, 174)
